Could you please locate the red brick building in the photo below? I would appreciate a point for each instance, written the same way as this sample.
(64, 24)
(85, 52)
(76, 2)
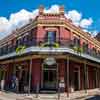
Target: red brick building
(53, 52)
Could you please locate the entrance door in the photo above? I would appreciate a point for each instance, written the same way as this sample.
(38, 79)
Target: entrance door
(22, 76)
(49, 77)
(76, 79)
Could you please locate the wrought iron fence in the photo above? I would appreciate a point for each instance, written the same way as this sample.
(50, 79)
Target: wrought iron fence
(59, 42)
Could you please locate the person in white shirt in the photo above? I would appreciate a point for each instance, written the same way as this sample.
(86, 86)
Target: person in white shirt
(2, 84)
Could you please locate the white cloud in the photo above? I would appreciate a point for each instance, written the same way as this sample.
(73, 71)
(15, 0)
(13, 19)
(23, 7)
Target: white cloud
(22, 17)
(94, 33)
(3, 24)
(16, 20)
(52, 9)
(77, 19)
(74, 15)
(85, 23)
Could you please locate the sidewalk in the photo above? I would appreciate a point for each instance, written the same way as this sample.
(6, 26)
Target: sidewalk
(73, 96)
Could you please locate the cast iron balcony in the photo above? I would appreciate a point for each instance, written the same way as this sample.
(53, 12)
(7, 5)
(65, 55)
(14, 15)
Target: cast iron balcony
(58, 43)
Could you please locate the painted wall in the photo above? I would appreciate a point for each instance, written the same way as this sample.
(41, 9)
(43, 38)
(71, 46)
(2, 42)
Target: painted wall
(36, 72)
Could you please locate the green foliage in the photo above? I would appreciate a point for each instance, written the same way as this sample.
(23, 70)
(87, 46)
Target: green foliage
(78, 49)
(47, 44)
(20, 49)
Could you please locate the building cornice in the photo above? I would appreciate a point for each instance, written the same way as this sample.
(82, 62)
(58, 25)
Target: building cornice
(42, 22)
(71, 27)
(18, 32)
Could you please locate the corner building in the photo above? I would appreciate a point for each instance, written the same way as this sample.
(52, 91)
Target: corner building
(51, 52)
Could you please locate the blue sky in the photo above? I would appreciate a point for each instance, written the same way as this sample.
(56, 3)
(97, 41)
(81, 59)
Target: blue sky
(87, 8)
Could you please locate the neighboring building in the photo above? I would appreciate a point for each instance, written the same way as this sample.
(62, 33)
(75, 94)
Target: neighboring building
(54, 51)
(98, 36)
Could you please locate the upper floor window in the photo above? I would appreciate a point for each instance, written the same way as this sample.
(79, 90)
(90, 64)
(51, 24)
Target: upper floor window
(85, 47)
(94, 51)
(18, 42)
(76, 41)
(51, 36)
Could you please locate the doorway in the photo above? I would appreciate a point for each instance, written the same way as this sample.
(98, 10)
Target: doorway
(76, 79)
(49, 77)
(22, 75)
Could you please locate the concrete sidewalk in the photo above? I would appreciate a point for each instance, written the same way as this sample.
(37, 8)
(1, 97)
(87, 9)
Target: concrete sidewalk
(79, 95)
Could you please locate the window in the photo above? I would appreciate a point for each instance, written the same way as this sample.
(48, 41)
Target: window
(94, 52)
(51, 37)
(85, 47)
(0, 52)
(18, 42)
(76, 41)
(6, 49)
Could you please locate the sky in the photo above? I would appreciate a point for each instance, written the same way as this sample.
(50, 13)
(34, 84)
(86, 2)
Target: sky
(16, 13)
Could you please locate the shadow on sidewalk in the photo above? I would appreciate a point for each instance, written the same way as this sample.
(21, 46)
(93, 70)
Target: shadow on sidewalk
(96, 97)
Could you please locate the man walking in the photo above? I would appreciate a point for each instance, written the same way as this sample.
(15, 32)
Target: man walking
(2, 84)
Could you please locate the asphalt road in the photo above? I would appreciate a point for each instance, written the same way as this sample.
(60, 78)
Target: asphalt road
(96, 97)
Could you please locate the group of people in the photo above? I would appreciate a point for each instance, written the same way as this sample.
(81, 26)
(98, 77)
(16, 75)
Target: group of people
(14, 84)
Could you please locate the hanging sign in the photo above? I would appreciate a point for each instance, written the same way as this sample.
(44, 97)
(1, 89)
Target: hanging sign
(61, 84)
(50, 61)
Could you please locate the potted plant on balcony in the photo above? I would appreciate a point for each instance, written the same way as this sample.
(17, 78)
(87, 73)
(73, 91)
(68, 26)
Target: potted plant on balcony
(78, 49)
(48, 44)
(20, 49)
(75, 48)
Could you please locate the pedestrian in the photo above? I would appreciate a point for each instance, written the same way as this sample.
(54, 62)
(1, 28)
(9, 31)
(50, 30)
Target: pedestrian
(17, 84)
(13, 84)
(2, 84)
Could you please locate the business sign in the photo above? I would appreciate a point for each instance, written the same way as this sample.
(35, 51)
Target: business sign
(50, 61)
(62, 85)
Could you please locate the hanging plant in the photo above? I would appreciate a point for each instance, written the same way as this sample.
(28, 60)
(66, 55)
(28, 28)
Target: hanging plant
(75, 48)
(78, 49)
(20, 49)
(47, 44)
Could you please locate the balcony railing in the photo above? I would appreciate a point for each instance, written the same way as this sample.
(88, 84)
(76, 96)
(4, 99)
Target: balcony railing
(58, 43)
